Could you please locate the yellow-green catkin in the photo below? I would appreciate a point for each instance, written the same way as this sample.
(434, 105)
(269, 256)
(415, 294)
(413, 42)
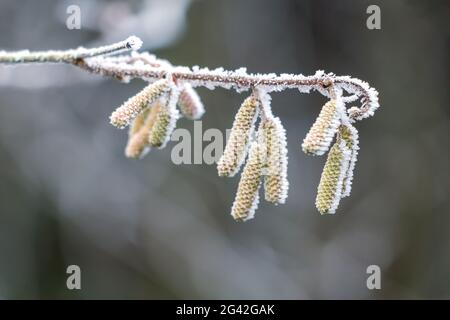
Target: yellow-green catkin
(130, 109)
(349, 135)
(240, 135)
(276, 184)
(321, 134)
(330, 187)
(138, 135)
(165, 122)
(247, 196)
(189, 103)
(138, 122)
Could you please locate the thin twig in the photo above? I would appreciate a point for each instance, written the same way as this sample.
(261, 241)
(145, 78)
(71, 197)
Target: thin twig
(68, 56)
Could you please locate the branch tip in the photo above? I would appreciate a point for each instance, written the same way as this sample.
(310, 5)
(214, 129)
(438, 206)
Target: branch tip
(134, 43)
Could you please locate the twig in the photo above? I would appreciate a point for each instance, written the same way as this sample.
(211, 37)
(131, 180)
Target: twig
(68, 56)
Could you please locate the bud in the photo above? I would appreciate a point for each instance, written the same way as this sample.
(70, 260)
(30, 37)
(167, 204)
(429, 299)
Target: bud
(276, 184)
(247, 197)
(123, 115)
(319, 137)
(240, 135)
(190, 104)
(330, 187)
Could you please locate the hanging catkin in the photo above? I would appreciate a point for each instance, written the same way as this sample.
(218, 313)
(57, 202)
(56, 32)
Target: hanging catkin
(139, 131)
(165, 121)
(329, 191)
(123, 115)
(247, 197)
(321, 134)
(190, 104)
(240, 135)
(276, 184)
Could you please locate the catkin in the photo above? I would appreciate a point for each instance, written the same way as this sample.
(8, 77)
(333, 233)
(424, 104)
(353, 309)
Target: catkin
(330, 187)
(189, 103)
(247, 197)
(276, 184)
(349, 135)
(139, 132)
(240, 135)
(138, 122)
(165, 121)
(129, 110)
(319, 137)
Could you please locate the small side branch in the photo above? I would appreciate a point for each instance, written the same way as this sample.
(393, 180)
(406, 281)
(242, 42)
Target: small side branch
(68, 56)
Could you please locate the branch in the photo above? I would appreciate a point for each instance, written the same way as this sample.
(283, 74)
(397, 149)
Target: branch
(125, 68)
(153, 113)
(239, 80)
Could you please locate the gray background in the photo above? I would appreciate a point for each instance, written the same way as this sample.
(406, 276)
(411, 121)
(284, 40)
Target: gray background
(151, 229)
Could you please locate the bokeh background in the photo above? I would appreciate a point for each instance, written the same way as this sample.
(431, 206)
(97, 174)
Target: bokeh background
(150, 229)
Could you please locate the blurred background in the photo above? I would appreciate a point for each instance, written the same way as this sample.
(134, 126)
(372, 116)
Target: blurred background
(151, 229)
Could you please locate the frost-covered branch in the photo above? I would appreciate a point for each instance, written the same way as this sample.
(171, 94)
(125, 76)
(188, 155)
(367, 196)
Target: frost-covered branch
(152, 115)
(126, 68)
(147, 67)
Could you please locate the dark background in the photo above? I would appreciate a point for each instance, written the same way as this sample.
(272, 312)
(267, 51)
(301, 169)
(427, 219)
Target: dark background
(152, 229)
